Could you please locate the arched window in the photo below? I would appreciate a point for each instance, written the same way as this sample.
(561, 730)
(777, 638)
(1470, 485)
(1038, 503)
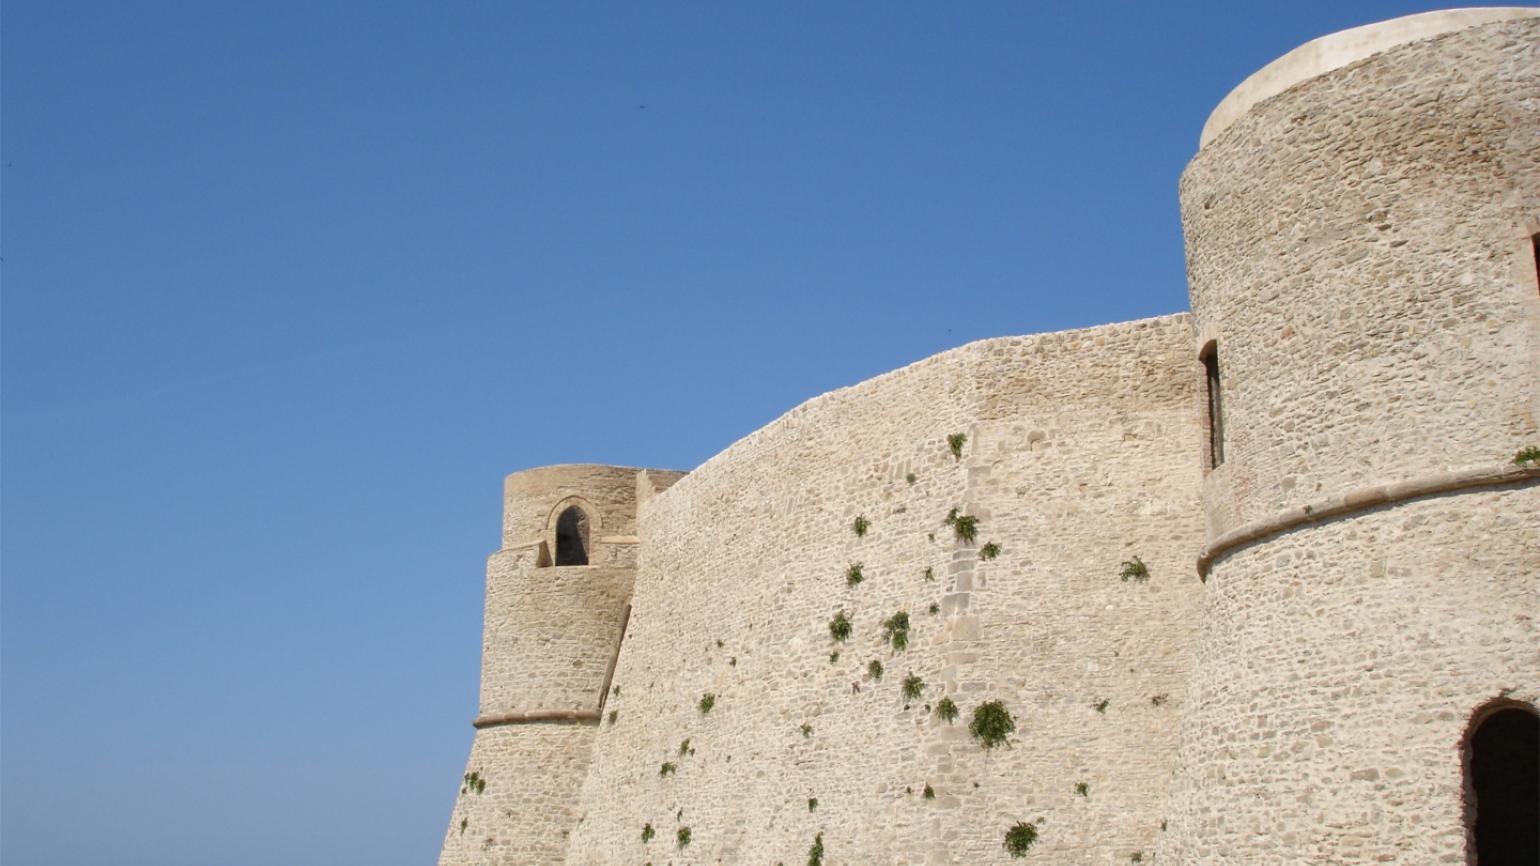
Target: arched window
(1502, 784)
(572, 537)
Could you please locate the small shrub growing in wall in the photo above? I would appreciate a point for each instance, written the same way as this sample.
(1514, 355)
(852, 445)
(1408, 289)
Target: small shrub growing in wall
(1134, 569)
(911, 478)
(1528, 457)
(861, 525)
(707, 701)
(464, 822)
(614, 714)
(683, 836)
(896, 630)
(807, 730)
(648, 833)
(992, 724)
(930, 573)
(815, 853)
(964, 526)
(1158, 700)
(834, 657)
(839, 627)
(853, 574)
(812, 803)
(1083, 789)
(929, 793)
(874, 669)
(934, 608)
(667, 769)
(474, 782)
(684, 747)
(1101, 705)
(1137, 858)
(955, 443)
(1020, 839)
(989, 551)
(946, 710)
(913, 687)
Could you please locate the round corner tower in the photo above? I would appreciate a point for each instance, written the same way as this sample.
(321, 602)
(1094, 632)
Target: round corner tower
(557, 597)
(1361, 222)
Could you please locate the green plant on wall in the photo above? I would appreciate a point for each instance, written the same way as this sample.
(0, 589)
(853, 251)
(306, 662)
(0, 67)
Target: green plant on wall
(812, 803)
(992, 724)
(1134, 569)
(896, 630)
(807, 730)
(989, 551)
(474, 783)
(1527, 456)
(913, 687)
(707, 701)
(853, 574)
(839, 627)
(1020, 839)
(815, 853)
(911, 478)
(946, 710)
(614, 714)
(955, 443)
(647, 833)
(464, 822)
(1101, 705)
(929, 793)
(667, 769)
(683, 836)
(1159, 700)
(930, 573)
(861, 525)
(684, 747)
(964, 526)
(834, 657)
(874, 669)
(1082, 789)
(934, 608)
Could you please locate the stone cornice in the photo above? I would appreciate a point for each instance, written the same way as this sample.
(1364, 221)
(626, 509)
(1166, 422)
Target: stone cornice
(1363, 499)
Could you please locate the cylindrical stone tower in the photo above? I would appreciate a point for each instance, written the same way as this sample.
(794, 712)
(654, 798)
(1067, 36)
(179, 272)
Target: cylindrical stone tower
(1361, 220)
(558, 593)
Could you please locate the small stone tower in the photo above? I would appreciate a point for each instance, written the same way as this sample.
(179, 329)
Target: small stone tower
(1361, 221)
(557, 598)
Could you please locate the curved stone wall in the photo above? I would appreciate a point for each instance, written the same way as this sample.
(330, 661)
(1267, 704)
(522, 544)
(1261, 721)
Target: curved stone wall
(1080, 455)
(1359, 246)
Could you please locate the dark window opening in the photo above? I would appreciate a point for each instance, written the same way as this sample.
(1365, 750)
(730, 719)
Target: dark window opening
(1216, 419)
(1534, 245)
(1504, 778)
(572, 537)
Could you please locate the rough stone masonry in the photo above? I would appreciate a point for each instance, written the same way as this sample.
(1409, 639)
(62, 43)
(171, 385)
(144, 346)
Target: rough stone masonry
(1248, 582)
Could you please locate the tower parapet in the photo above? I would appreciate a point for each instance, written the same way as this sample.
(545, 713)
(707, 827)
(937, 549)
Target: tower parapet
(557, 597)
(1360, 224)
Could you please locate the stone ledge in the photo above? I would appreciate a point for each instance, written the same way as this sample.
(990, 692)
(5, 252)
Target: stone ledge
(1362, 499)
(572, 717)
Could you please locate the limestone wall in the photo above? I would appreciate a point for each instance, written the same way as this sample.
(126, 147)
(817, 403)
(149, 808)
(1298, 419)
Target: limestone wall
(1081, 454)
(1359, 246)
(1339, 668)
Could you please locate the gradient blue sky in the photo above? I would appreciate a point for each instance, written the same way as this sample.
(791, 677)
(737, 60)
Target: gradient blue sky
(290, 286)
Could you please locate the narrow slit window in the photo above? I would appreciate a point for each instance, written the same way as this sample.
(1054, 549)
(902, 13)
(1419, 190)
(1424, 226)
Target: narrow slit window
(1534, 247)
(1216, 417)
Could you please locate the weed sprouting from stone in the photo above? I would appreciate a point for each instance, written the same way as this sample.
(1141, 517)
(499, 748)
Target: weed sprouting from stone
(1101, 705)
(853, 574)
(955, 443)
(989, 551)
(807, 730)
(839, 627)
(683, 836)
(946, 710)
(707, 701)
(929, 793)
(667, 769)
(1527, 456)
(992, 724)
(874, 669)
(1134, 569)
(913, 687)
(896, 630)
(648, 833)
(861, 525)
(964, 526)
(815, 853)
(1020, 838)
(1082, 789)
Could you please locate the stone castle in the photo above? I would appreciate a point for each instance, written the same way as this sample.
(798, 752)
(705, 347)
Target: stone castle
(1251, 585)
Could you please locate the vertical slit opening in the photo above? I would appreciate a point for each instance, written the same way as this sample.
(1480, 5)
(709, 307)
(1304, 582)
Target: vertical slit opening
(1216, 423)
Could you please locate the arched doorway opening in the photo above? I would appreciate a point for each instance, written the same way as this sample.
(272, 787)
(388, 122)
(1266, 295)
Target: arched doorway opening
(1502, 784)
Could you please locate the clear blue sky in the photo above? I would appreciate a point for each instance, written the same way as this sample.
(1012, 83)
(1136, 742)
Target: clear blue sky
(288, 287)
